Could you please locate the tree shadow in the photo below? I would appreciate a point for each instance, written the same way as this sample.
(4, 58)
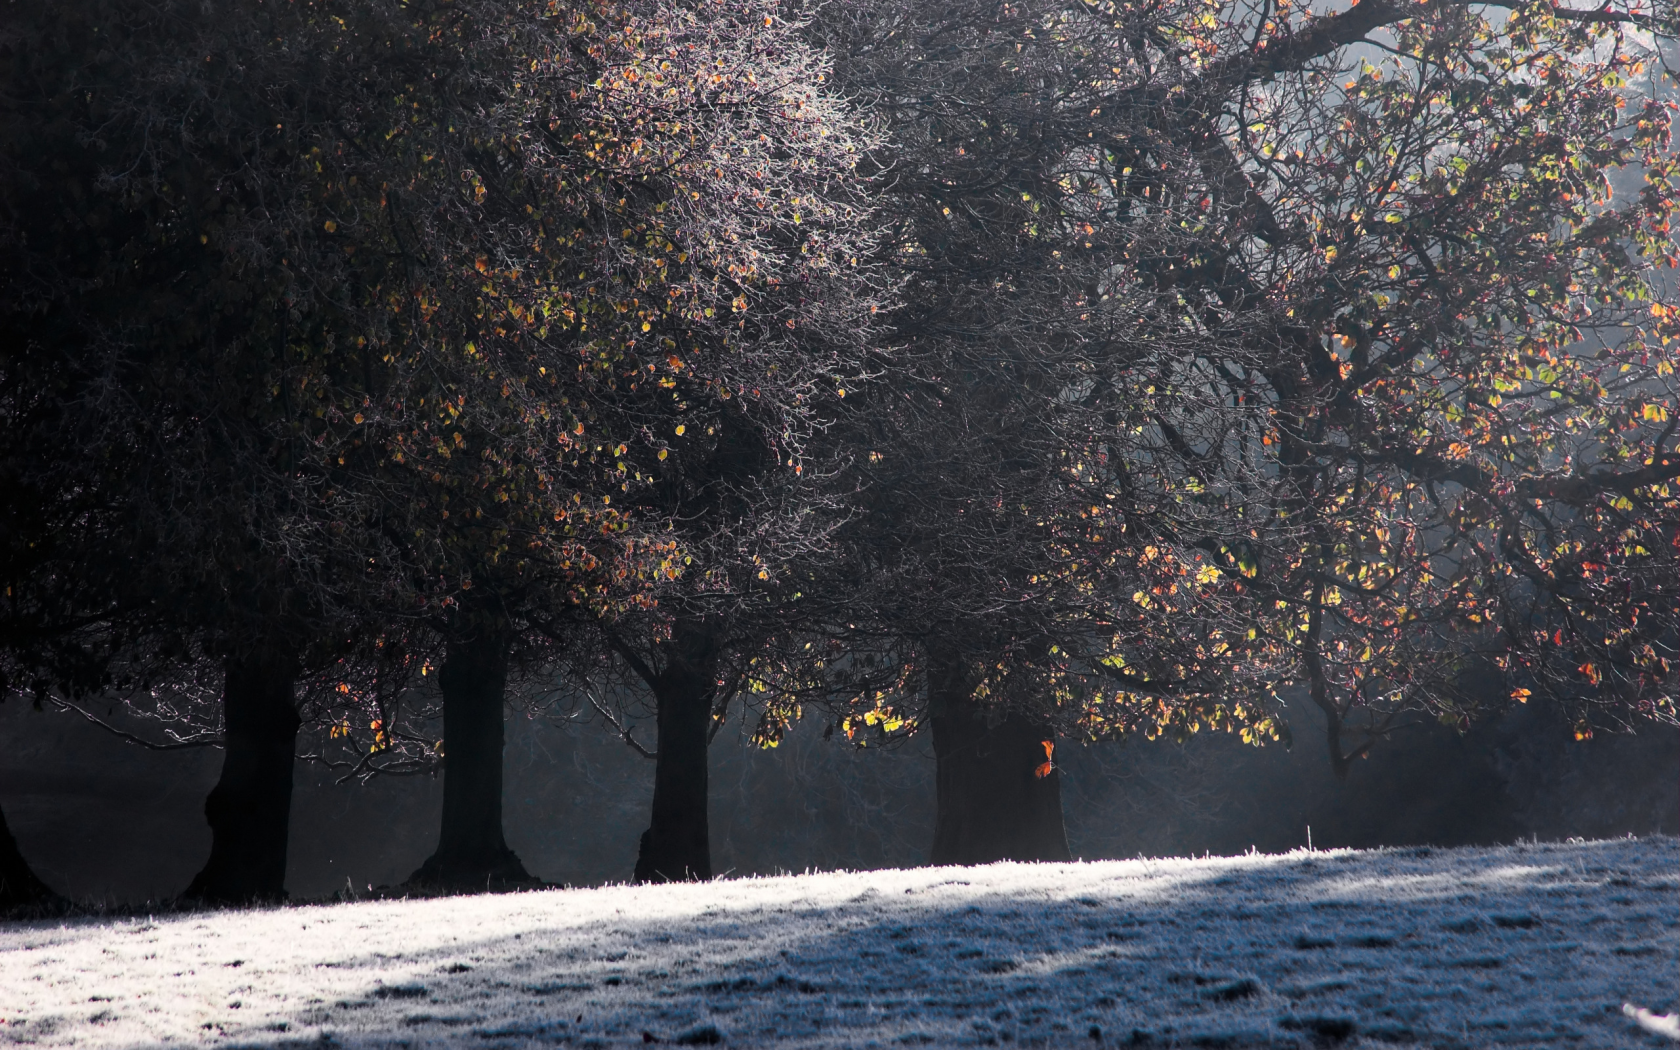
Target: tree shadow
(1521, 945)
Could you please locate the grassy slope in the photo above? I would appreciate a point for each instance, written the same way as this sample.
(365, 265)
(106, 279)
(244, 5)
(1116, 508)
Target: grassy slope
(1520, 946)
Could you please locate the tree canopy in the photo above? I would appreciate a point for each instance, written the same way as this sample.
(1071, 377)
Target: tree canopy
(1091, 368)
(1336, 367)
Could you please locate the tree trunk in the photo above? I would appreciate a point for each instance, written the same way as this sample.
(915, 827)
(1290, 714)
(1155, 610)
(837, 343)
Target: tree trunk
(472, 855)
(249, 809)
(677, 844)
(20, 889)
(991, 803)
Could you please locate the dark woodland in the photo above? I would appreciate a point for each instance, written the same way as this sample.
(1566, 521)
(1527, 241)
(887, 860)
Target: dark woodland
(751, 435)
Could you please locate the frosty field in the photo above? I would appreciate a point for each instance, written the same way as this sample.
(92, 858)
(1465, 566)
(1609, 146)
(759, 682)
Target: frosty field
(1514, 946)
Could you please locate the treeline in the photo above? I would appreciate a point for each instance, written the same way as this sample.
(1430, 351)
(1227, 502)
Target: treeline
(1017, 372)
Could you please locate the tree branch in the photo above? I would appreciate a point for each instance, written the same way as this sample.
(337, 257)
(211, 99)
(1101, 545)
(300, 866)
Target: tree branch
(623, 733)
(1603, 15)
(631, 657)
(179, 745)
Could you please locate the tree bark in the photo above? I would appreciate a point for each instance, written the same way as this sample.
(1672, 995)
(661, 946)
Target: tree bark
(472, 854)
(991, 804)
(20, 888)
(249, 809)
(676, 847)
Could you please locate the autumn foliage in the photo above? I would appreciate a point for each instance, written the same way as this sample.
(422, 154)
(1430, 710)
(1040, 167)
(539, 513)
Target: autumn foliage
(1100, 369)
(1343, 370)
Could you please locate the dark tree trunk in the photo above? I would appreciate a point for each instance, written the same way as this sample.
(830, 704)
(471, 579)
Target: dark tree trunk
(991, 804)
(472, 855)
(249, 809)
(20, 889)
(677, 844)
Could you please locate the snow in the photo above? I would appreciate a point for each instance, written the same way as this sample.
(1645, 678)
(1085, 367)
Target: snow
(1668, 1024)
(1526, 945)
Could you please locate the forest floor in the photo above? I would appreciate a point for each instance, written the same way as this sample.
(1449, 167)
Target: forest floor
(1526, 945)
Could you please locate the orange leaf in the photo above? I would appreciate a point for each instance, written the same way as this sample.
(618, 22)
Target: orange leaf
(1047, 765)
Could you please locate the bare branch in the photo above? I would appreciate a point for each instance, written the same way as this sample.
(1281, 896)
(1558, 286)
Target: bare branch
(151, 745)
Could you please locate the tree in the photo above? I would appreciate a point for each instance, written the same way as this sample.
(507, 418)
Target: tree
(40, 613)
(498, 250)
(124, 327)
(994, 555)
(1428, 429)
(767, 328)
(20, 887)
(693, 175)
(296, 366)
(1123, 277)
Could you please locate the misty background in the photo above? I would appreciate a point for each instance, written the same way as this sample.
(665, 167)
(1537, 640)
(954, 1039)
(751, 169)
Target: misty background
(109, 822)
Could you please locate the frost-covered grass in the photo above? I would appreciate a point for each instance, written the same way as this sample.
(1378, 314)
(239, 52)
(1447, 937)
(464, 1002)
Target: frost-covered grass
(1515, 946)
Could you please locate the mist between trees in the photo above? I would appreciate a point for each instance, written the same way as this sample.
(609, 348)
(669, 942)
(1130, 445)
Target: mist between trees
(109, 823)
(974, 379)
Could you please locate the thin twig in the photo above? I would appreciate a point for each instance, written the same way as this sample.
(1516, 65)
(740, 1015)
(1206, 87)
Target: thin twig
(623, 733)
(178, 745)
(721, 712)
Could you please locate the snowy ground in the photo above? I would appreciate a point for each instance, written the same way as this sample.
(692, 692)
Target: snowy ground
(1517, 946)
